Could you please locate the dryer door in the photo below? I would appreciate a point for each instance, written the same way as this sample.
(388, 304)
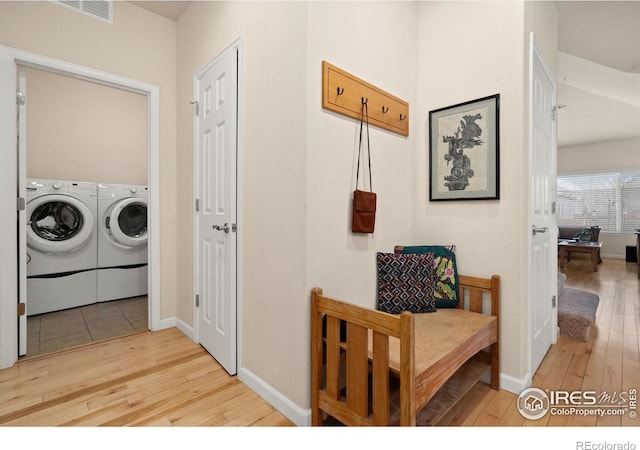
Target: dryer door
(128, 222)
(58, 223)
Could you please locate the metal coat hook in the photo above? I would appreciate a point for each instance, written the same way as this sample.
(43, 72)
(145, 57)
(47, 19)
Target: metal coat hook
(348, 95)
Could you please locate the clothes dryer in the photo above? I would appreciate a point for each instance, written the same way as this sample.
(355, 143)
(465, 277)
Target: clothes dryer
(62, 245)
(122, 241)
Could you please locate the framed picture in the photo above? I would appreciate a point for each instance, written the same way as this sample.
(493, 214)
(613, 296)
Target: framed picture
(464, 151)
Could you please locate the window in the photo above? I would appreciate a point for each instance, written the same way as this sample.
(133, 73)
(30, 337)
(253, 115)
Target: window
(610, 200)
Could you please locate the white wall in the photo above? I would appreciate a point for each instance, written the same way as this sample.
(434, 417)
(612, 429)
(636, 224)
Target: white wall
(603, 156)
(339, 261)
(379, 47)
(298, 164)
(598, 157)
(273, 317)
(83, 131)
(469, 50)
(299, 160)
(123, 48)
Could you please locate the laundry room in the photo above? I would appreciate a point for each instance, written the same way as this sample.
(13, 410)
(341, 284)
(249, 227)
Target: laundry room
(86, 232)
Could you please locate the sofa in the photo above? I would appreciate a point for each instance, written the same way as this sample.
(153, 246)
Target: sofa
(571, 232)
(592, 235)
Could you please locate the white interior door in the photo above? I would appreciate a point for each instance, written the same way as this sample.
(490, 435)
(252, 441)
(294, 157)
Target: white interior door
(216, 90)
(22, 213)
(542, 224)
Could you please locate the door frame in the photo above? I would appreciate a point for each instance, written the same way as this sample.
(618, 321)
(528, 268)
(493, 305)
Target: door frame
(10, 58)
(238, 45)
(535, 52)
(22, 215)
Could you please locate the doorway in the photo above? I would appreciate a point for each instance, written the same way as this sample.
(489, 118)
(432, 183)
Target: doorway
(10, 276)
(90, 141)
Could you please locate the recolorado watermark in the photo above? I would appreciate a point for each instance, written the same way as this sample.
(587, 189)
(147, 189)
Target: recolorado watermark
(589, 445)
(534, 404)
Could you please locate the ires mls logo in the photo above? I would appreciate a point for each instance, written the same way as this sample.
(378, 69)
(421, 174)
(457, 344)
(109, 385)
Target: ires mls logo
(576, 398)
(534, 403)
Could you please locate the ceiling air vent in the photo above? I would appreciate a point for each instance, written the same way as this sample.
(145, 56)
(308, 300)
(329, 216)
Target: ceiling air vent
(99, 9)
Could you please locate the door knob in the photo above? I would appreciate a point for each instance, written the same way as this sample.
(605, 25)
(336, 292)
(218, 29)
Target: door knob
(226, 227)
(539, 230)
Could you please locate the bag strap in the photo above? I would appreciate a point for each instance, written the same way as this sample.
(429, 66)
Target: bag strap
(364, 113)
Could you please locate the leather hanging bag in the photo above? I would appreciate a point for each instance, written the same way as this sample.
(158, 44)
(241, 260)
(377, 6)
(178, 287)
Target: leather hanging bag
(364, 202)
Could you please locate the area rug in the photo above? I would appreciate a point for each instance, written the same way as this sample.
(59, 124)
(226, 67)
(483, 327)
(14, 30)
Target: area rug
(576, 311)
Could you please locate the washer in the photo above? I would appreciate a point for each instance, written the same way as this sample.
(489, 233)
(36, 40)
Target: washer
(62, 245)
(122, 241)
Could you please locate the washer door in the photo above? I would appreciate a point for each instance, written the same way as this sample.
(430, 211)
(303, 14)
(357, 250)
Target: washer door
(128, 222)
(58, 223)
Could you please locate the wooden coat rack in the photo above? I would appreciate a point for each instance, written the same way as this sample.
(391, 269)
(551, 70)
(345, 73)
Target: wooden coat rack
(344, 93)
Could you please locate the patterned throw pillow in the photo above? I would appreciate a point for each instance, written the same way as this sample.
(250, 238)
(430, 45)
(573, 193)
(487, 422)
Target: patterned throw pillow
(446, 288)
(405, 283)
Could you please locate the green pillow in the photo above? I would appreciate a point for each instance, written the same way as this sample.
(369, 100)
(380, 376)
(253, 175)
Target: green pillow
(446, 288)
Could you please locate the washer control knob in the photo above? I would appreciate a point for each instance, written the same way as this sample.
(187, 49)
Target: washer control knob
(133, 189)
(57, 185)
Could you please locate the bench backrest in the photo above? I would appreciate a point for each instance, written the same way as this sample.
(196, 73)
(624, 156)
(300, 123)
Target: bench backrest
(349, 382)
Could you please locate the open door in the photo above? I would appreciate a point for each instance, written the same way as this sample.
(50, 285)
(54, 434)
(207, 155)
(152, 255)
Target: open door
(542, 220)
(216, 138)
(22, 213)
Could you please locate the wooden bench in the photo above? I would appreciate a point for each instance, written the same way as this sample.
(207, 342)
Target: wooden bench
(360, 355)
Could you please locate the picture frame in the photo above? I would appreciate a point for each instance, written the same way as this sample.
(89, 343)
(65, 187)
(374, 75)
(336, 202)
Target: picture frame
(464, 151)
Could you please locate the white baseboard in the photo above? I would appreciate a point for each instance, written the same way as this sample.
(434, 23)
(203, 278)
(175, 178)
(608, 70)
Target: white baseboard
(508, 383)
(613, 256)
(186, 329)
(286, 407)
(514, 385)
(167, 323)
(179, 324)
(300, 417)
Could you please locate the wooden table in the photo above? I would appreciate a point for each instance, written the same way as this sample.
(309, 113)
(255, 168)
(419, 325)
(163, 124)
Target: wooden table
(638, 250)
(580, 247)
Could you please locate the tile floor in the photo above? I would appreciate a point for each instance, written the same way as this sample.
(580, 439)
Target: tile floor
(63, 329)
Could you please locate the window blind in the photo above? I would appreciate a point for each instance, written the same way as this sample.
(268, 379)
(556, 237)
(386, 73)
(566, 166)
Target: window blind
(610, 200)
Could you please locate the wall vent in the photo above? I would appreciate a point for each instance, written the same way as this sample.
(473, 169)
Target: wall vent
(99, 9)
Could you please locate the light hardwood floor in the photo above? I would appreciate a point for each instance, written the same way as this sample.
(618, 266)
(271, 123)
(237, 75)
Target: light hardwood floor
(609, 361)
(150, 378)
(163, 378)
